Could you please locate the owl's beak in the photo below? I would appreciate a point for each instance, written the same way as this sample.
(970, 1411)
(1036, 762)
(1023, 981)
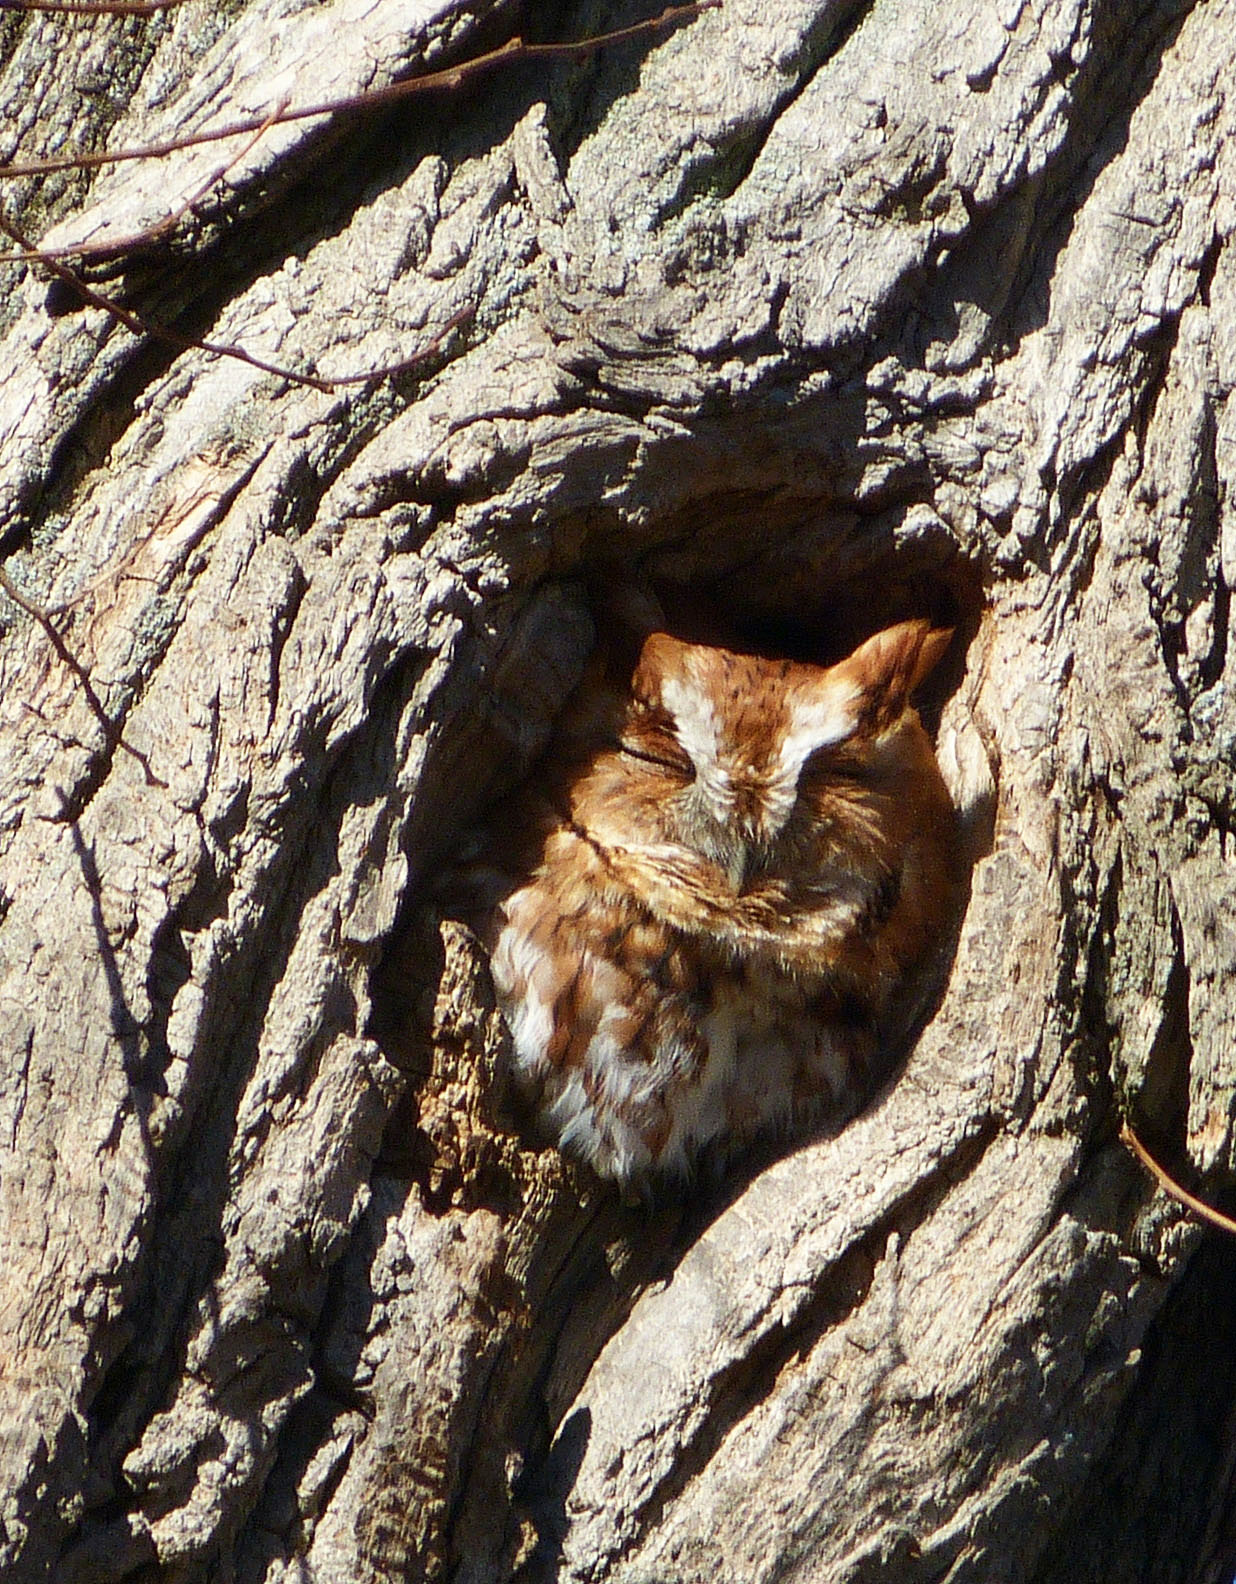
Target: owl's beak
(738, 866)
(747, 858)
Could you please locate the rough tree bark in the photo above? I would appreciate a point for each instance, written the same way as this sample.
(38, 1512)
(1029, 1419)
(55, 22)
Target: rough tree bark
(829, 311)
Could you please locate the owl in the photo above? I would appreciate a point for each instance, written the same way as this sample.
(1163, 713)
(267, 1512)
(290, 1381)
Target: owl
(730, 872)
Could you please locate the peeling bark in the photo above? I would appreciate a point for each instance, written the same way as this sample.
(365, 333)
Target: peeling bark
(821, 312)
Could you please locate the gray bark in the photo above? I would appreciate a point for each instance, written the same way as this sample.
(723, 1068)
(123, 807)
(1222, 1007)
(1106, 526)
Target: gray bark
(829, 310)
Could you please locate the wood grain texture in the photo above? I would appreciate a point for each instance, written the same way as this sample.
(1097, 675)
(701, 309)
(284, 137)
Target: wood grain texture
(835, 313)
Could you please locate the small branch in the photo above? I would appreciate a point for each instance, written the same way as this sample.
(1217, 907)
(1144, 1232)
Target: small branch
(514, 49)
(111, 732)
(1170, 1186)
(93, 7)
(151, 233)
(388, 370)
(515, 52)
(138, 326)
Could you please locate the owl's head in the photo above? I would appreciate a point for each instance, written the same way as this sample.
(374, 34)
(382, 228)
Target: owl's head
(734, 752)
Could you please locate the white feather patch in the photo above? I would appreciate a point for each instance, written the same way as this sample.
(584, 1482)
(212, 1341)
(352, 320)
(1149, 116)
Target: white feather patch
(515, 959)
(531, 1022)
(517, 965)
(816, 723)
(608, 1143)
(699, 733)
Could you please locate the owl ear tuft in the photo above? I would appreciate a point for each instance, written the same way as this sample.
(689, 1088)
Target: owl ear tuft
(889, 667)
(660, 657)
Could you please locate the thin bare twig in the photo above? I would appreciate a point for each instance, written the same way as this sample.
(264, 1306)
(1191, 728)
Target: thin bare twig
(138, 326)
(514, 51)
(93, 7)
(111, 732)
(388, 370)
(53, 258)
(151, 233)
(1170, 1186)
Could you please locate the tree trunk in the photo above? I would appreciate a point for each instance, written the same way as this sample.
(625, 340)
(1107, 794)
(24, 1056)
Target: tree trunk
(819, 312)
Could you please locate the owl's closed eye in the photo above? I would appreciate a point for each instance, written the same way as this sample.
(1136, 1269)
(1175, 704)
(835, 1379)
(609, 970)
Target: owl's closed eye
(743, 862)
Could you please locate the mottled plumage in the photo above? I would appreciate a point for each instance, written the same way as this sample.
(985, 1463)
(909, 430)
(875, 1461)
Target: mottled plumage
(730, 870)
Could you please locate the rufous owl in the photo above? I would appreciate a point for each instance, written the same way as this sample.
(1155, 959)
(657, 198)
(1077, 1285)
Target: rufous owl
(730, 871)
